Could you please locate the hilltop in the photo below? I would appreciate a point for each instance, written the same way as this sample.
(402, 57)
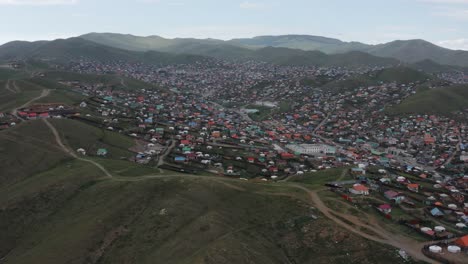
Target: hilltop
(409, 51)
(64, 50)
(189, 51)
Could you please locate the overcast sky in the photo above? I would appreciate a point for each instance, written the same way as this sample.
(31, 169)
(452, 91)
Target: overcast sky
(443, 22)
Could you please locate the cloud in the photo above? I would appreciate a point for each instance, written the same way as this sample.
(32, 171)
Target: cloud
(457, 44)
(252, 5)
(37, 2)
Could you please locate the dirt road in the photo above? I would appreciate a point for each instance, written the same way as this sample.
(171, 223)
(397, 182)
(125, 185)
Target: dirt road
(70, 152)
(43, 94)
(411, 247)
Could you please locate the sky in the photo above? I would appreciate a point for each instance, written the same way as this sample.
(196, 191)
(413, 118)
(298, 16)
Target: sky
(443, 22)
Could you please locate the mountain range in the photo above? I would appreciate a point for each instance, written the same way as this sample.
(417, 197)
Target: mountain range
(409, 51)
(297, 50)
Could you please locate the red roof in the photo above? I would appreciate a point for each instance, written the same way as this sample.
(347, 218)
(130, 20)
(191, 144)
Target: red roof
(361, 188)
(185, 142)
(462, 241)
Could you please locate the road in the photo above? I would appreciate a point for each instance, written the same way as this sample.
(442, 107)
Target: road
(166, 152)
(70, 152)
(382, 236)
(43, 94)
(460, 141)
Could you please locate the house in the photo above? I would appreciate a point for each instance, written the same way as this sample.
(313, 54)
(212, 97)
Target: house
(413, 187)
(394, 196)
(359, 189)
(385, 208)
(287, 155)
(428, 139)
(102, 152)
(462, 242)
(179, 159)
(358, 171)
(436, 212)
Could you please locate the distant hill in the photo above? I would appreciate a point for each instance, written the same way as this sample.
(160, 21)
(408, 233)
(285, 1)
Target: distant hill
(409, 51)
(400, 75)
(63, 50)
(417, 50)
(303, 42)
(435, 101)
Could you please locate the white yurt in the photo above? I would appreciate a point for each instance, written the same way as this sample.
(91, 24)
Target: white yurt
(425, 229)
(435, 249)
(454, 249)
(401, 179)
(439, 229)
(452, 206)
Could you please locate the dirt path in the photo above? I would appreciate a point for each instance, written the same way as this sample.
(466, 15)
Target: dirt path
(411, 247)
(70, 152)
(166, 152)
(43, 94)
(8, 87)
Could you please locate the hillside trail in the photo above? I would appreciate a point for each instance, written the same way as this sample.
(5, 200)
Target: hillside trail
(411, 247)
(44, 93)
(8, 87)
(71, 153)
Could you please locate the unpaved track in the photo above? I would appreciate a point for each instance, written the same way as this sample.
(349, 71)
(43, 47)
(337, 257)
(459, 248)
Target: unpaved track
(43, 94)
(8, 86)
(70, 152)
(411, 247)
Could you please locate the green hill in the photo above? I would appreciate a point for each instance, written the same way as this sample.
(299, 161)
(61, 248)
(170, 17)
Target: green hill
(410, 51)
(439, 100)
(64, 50)
(400, 75)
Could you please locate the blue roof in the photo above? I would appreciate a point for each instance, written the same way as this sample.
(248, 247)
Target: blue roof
(436, 211)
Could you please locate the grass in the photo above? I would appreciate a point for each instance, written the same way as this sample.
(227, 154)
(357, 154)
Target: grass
(126, 168)
(434, 101)
(68, 216)
(316, 180)
(80, 135)
(10, 100)
(27, 149)
(62, 96)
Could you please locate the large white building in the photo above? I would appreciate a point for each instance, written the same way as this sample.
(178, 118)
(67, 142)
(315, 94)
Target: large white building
(312, 149)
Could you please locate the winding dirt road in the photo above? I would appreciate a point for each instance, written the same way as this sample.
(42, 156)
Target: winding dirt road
(383, 236)
(70, 152)
(43, 94)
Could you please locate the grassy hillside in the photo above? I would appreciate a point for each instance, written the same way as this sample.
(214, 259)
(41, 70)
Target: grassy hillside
(440, 100)
(70, 215)
(27, 150)
(64, 50)
(401, 75)
(14, 93)
(80, 135)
